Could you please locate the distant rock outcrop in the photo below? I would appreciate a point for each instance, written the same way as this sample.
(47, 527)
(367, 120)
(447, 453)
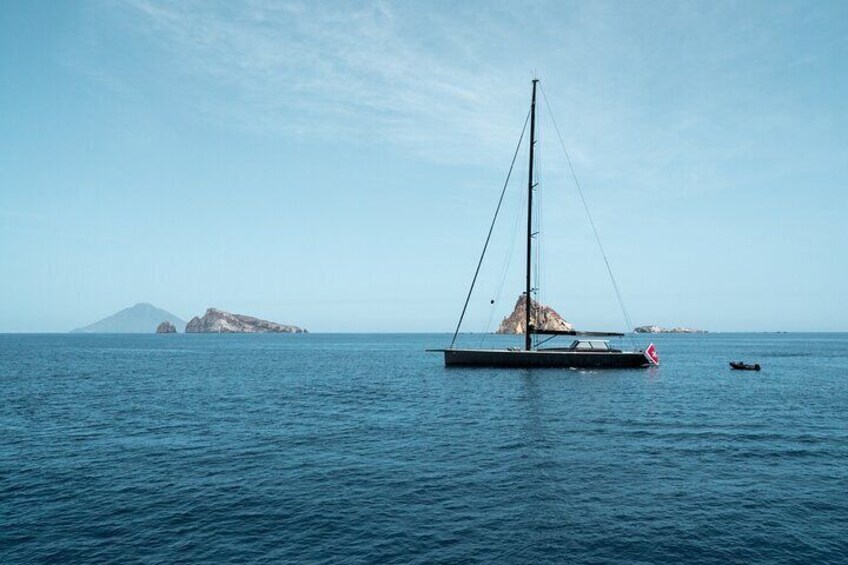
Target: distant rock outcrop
(218, 321)
(141, 319)
(649, 330)
(541, 317)
(662, 330)
(166, 327)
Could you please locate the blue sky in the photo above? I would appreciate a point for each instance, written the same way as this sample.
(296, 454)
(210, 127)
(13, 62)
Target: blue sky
(336, 165)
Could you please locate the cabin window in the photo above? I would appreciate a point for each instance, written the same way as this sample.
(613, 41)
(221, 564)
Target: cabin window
(590, 345)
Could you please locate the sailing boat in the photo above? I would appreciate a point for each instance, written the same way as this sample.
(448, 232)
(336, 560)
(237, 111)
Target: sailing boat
(586, 351)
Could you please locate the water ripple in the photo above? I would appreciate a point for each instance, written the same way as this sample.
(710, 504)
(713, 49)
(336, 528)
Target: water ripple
(354, 449)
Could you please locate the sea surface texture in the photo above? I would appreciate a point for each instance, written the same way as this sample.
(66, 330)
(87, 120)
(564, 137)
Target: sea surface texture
(366, 449)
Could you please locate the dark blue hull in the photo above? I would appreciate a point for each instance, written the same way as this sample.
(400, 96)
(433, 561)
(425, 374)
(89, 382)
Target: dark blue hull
(552, 359)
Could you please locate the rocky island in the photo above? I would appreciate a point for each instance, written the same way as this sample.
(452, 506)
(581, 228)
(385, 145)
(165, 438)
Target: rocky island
(541, 317)
(218, 321)
(143, 318)
(662, 330)
(166, 327)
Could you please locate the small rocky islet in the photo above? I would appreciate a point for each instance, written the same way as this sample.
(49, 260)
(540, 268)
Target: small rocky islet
(541, 317)
(546, 318)
(662, 330)
(166, 327)
(218, 321)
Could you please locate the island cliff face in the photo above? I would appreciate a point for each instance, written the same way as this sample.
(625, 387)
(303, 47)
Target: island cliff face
(166, 327)
(541, 317)
(218, 321)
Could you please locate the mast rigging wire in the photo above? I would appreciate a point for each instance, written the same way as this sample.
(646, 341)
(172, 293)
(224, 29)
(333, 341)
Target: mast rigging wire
(589, 215)
(504, 271)
(491, 228)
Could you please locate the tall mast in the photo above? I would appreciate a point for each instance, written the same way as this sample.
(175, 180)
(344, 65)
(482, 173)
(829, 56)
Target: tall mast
(527, 340)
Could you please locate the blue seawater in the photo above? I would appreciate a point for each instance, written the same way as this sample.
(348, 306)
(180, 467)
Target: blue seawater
(365, 449)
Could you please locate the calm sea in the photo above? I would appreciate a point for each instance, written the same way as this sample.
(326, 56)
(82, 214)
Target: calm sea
(366, 449)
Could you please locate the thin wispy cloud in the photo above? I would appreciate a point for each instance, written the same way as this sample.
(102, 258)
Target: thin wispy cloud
(218, 139)
(321, 70)
(451, 85)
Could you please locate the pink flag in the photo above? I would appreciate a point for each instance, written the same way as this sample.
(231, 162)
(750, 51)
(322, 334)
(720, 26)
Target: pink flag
(652, 355)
